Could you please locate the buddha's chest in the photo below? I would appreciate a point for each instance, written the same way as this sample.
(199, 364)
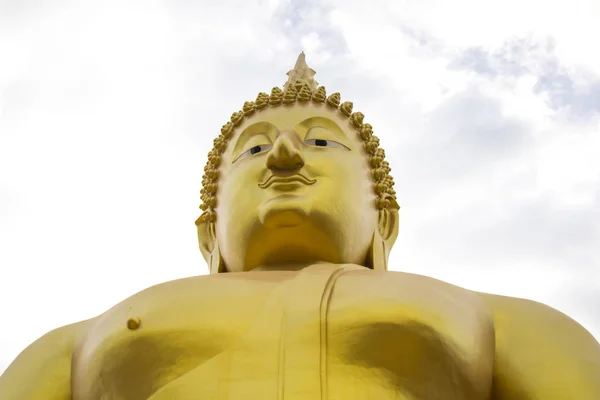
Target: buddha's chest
(355, 336)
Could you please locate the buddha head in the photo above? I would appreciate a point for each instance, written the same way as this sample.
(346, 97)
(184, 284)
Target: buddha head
(294, 178)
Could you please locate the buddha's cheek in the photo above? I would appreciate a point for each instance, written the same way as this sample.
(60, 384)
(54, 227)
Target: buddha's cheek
(344, 193)
(238, 193)
(238, 200)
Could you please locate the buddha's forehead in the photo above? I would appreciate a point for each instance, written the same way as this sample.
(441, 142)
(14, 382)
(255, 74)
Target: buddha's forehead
(289, 117)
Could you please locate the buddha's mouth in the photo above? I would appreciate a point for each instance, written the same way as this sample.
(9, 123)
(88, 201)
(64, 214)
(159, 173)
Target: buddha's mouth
(286, 179)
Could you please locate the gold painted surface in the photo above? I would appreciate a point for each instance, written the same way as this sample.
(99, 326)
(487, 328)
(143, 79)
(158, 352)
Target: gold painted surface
(299, 216)
(326, 331)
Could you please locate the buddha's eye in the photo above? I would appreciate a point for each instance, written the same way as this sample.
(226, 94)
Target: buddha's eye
(255, 150)
(324, 143)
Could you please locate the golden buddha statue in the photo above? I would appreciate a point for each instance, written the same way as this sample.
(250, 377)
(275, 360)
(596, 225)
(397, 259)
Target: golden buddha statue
(299, 216)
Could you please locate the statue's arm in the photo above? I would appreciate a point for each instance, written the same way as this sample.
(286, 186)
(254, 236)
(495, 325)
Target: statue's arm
(43, 370)
(542, 354)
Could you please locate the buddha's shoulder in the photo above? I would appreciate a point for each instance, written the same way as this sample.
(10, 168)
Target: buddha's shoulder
(524, 317)
(46, 363)
(531, 333)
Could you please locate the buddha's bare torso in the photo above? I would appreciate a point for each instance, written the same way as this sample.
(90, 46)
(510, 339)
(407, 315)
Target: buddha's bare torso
(341, 332)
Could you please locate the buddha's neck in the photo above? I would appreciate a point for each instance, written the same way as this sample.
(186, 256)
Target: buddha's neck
(288, 267)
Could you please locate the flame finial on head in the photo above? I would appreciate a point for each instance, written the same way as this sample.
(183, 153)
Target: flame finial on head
(301, 75)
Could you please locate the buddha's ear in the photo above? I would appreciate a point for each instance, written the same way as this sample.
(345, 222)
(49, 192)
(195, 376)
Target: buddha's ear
(389, 221)
(384, 237)
(206, 238)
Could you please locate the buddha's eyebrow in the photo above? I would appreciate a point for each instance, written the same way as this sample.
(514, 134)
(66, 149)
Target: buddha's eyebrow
(264, 127)
(323, 122)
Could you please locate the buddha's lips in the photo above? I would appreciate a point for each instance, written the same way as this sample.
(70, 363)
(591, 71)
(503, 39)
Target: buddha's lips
(286, 179)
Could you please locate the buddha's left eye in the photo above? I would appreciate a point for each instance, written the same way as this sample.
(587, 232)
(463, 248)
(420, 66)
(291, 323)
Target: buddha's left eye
(324, 143)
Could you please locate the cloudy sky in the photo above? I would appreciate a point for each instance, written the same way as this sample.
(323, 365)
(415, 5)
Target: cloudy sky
(489, 113)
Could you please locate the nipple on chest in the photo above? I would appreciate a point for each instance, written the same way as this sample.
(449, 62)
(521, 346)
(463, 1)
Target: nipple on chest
(133, 323)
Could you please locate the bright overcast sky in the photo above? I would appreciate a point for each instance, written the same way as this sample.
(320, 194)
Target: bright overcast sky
(488, 111)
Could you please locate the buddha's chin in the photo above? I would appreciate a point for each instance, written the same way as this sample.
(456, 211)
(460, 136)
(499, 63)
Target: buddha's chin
(283, 213)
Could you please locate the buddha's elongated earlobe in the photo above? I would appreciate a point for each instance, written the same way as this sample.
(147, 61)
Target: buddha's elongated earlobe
(209, 247)
(216, 264)
(377, 257)
(384, 237)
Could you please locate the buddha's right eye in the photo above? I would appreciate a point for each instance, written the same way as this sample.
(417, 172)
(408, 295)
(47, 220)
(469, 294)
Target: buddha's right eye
(255, 150)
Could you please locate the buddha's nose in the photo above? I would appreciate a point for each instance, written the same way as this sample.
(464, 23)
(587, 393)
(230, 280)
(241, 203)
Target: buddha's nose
(286, 152)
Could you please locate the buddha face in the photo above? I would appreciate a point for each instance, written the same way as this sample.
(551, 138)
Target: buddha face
(295, 187)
